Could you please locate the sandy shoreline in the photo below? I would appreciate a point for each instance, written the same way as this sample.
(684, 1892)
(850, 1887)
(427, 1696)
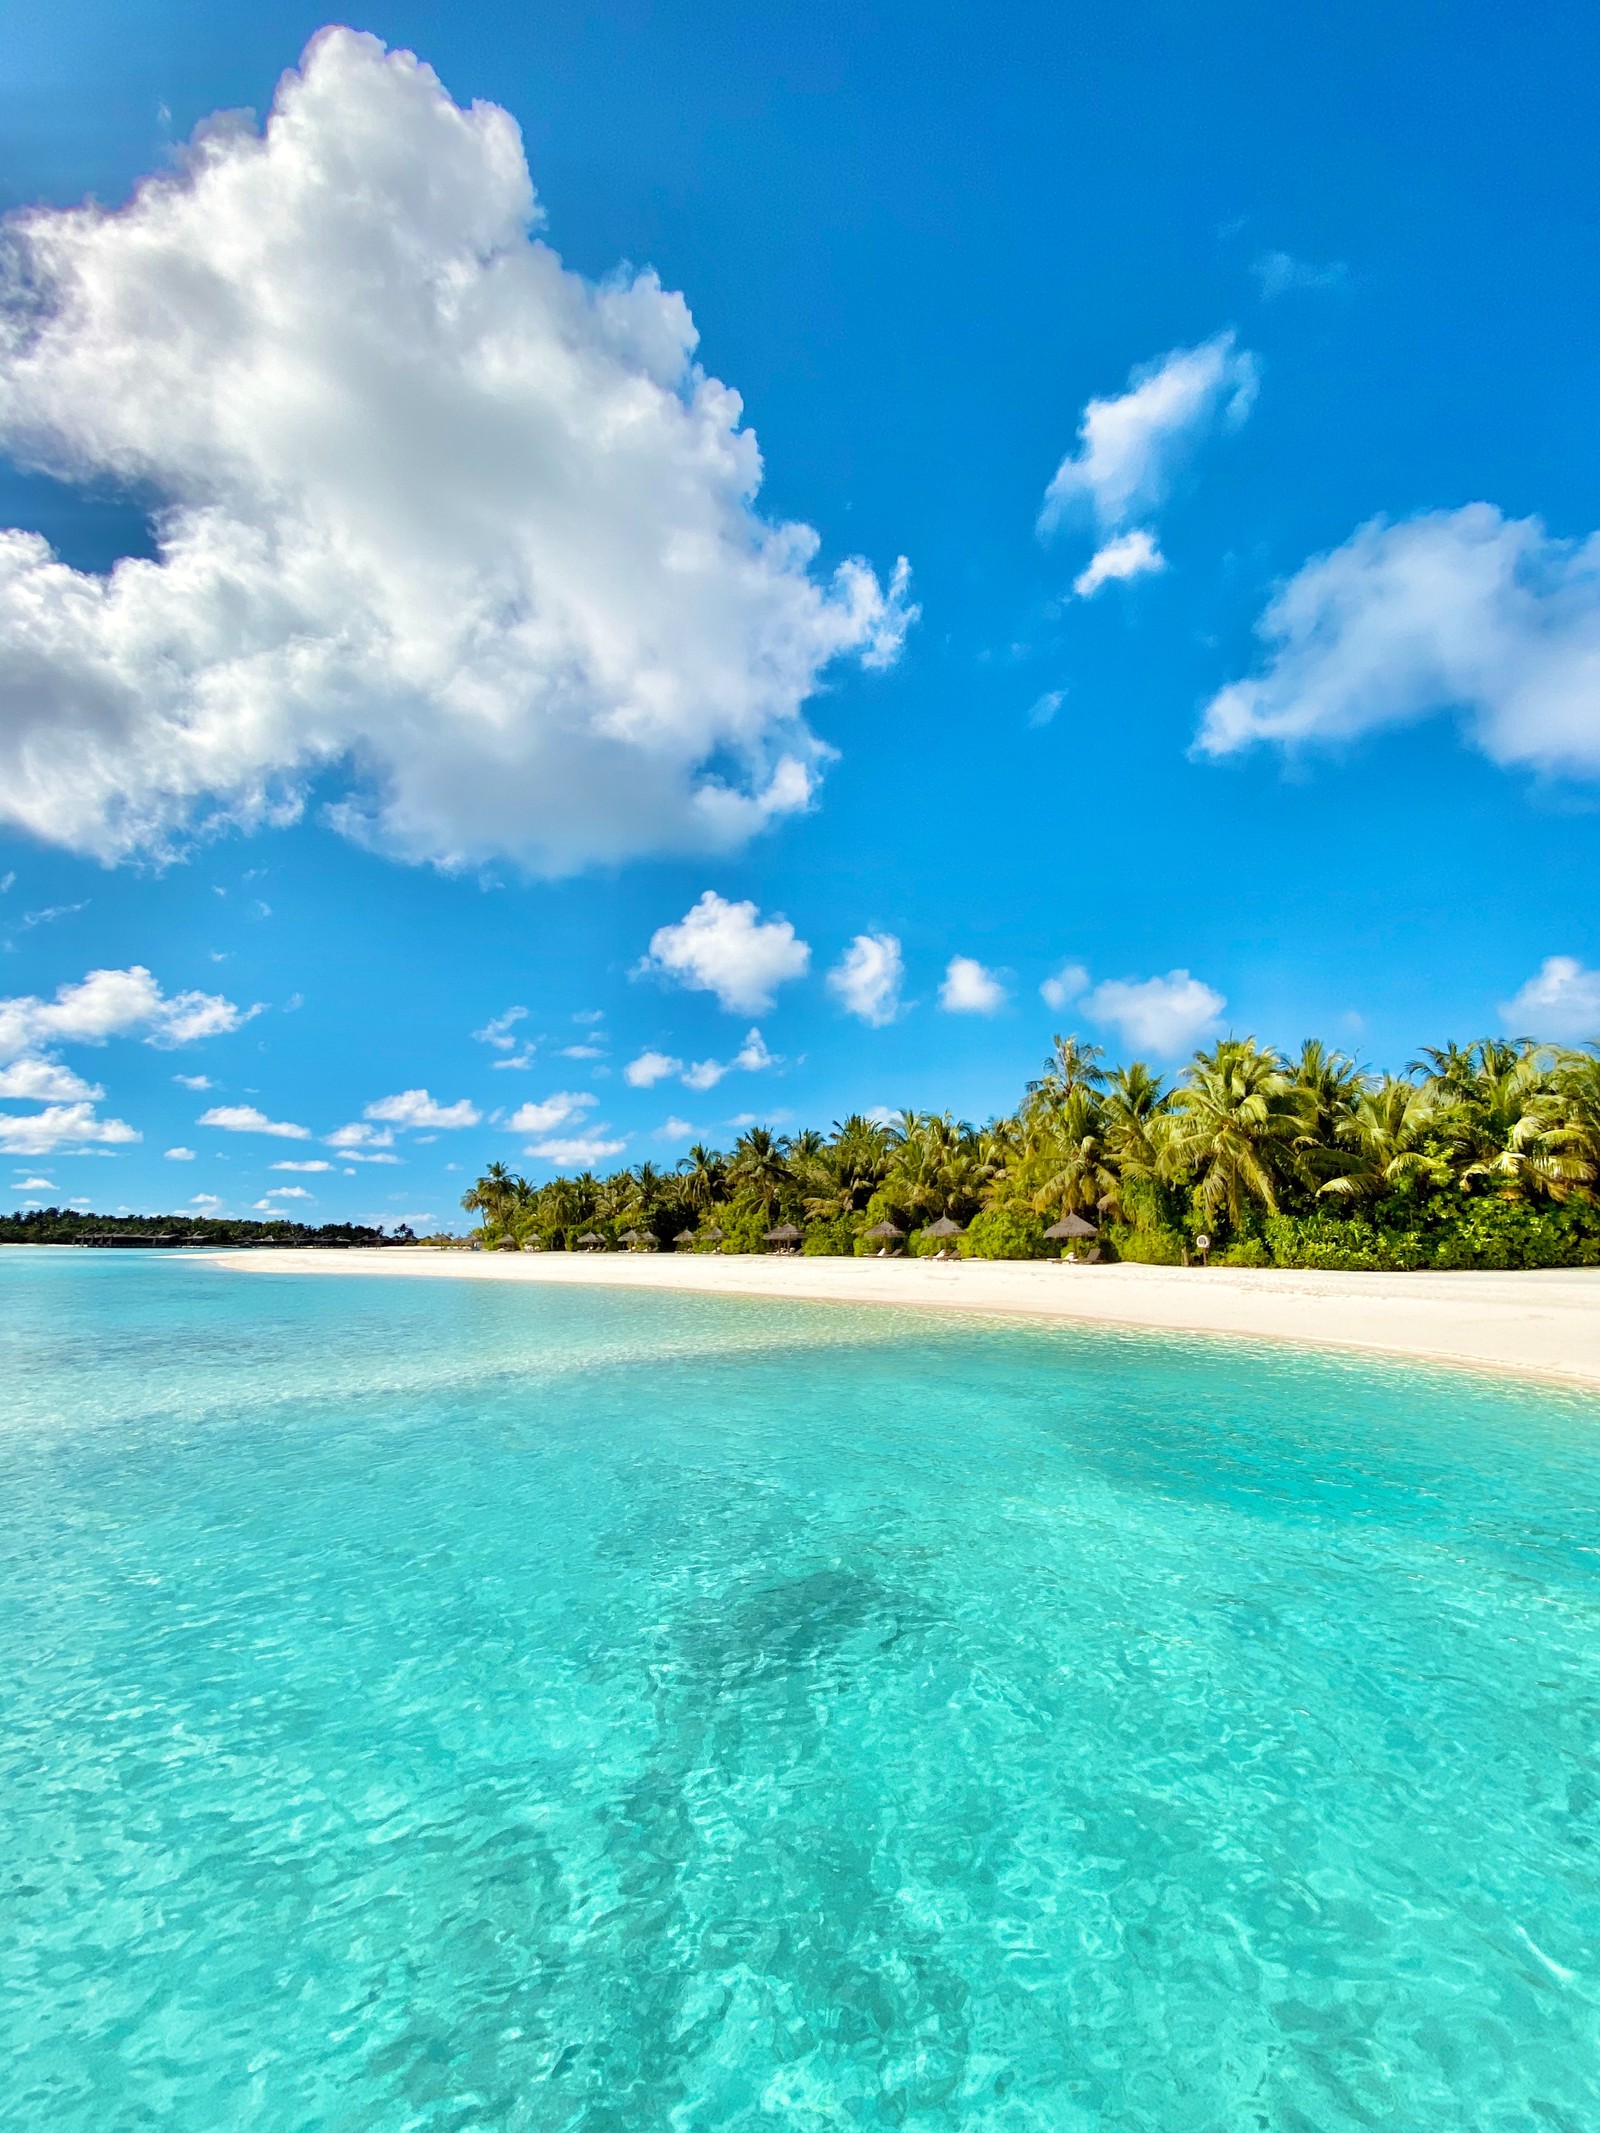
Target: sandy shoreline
(1544, 1325)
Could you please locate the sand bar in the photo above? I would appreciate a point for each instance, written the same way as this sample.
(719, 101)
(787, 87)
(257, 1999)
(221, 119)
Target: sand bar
(1544, 1325)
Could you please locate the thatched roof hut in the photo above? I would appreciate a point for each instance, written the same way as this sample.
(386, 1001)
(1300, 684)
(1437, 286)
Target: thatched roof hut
(785, 1236)
(1070, 1227)
(589, 1242)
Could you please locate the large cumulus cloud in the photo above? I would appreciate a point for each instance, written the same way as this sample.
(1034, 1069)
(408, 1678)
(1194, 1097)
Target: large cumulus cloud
(436, 518)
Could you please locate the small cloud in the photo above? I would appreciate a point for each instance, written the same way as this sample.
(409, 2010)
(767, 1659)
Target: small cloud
(192, 1081)
(1064, 985)
(1560, 1003)
(415, 1108)
(316, 1163)
(584, 1151)
(294, 1003)
(1044, 708)
(866, 980)
(752, 1057)
(1130, 446)
(649, 1068)
(557, 1110)
(675, 1129)
(729, 950)
(1130, 555)
(180, 1155)
(590, 1017)
(47, 917)
(6, 882)
(497, 1031)
(69, 1127)
(359, 1137)
(1161, 1015)
(518, 1060)
(287, 1192)
(30, 1184)
(245, 1118)
(970, 989)
(45, 1081)
(205, 1199)
(1280, 273)
(583, 1051)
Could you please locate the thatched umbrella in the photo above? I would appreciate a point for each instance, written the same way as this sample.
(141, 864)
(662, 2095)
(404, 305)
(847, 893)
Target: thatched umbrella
(629, 1237)
(589, 1242)
(785, 1236)
(684, 1236)
(714, 1237)
(1070, 1228)
(885, 1230)
(944, 1227)
(644, 1240)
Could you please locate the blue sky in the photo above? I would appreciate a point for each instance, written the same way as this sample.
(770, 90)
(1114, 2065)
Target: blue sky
(404, 639)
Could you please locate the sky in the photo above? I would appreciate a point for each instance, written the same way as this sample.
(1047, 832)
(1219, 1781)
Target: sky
(572, 580)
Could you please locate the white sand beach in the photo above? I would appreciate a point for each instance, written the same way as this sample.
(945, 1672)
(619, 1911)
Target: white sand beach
(1544, 1325)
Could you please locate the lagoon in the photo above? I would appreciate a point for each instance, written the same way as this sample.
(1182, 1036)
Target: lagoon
(478, 1705)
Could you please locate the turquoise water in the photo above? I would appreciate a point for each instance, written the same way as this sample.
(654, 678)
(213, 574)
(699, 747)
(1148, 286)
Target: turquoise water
(443, 1705)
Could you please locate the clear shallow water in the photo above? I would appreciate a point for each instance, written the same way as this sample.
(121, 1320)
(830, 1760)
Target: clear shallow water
(456, 1706)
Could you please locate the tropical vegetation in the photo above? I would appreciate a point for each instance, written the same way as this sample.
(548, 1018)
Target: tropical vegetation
(1478, 1155)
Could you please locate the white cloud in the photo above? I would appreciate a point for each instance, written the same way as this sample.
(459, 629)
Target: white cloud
(866, 980)
(206, 1199)
(315, 1164)
(180, 1155)
(1560, 1003)
(752, 1057)
(675, 1129)
(583, 1051)
(649, 1068)
(245, 1118)
(286, 1192)
(436, 516)
(520, 1060)
(1279, 273)
(357, 1136)
(1129, 447)
(415, 1108)
(1044, 708)
(1160, 1015)
(45, 1081)
(1464, 610)
(498, 1030)
(1064, 985)
(557, 1110)
(61, 1126)
(589, 1016)
(1129, 555)
(30, 1184)
(192, 1081)
(730, 950)
(113, 1003)
(969, 989)
(583, 1152)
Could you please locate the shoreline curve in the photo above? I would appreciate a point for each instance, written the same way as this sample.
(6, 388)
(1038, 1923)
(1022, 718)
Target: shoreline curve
(1543, 1325)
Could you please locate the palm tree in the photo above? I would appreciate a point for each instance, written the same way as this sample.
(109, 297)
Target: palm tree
(1386, 1139)
(758, 1169)
(1081, 1177)
(1071, 1065)
(705, 1177)
(493, 1197)
(1234, 1118)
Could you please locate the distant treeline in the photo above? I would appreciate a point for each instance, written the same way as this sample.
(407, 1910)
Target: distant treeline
(1479, 1155)
(66, 1225)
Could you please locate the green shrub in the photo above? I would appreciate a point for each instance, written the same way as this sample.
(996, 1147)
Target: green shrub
(1004, 1233)
(1244, 1251)
(1145, 1246)
(833, 1239)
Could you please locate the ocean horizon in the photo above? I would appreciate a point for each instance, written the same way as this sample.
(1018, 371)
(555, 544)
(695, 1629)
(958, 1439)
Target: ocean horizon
(443, 1704)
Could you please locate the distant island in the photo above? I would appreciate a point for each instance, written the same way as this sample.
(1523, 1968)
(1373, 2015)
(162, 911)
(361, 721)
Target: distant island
(68, 1225)
(1484, 1155)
